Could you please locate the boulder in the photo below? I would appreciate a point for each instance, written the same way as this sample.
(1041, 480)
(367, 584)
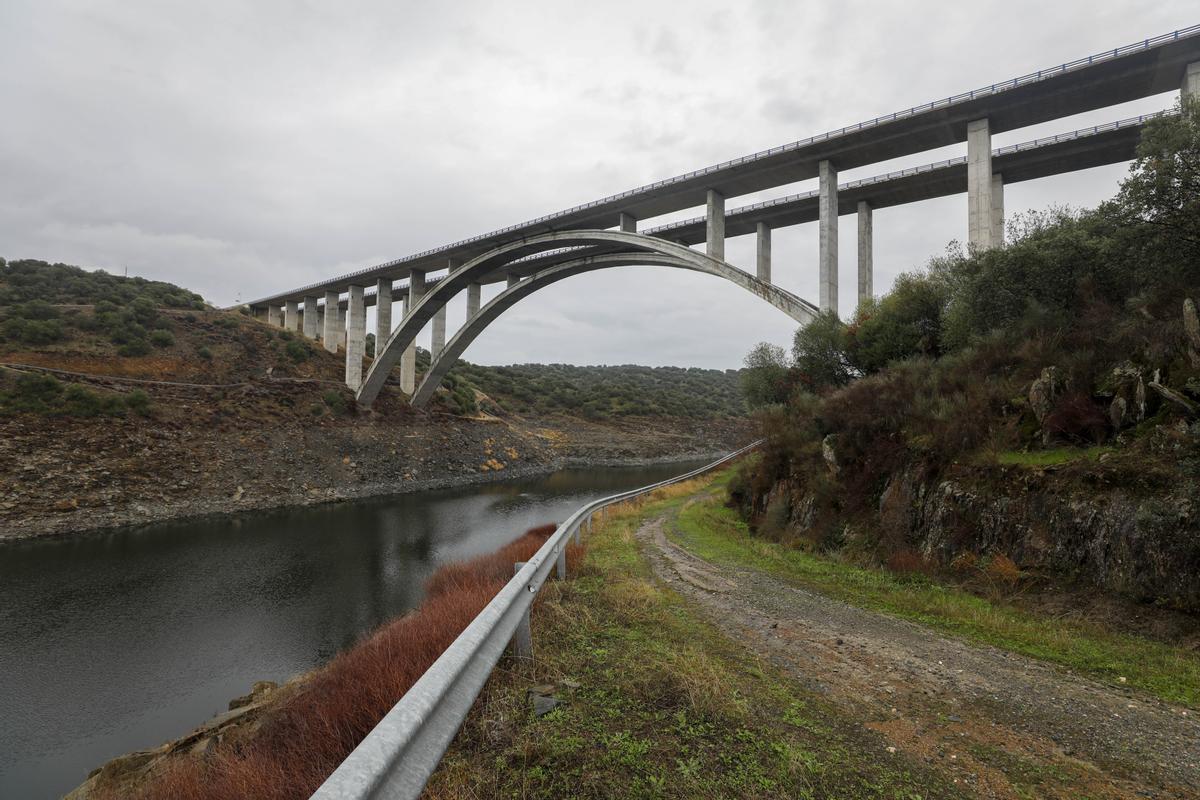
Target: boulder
(829, 452)
(1128, 389)
(1045, 391)
(1191, 329)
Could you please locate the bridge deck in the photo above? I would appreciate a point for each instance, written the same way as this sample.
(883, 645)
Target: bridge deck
(1127, 73)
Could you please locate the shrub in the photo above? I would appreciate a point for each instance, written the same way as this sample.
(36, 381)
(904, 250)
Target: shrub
(204, 353)
(297, 350)
(1002, 570)
(162, 338)
(336, 401)
(138, 402)
(134, 348)
(32, 331)
(1076, 418)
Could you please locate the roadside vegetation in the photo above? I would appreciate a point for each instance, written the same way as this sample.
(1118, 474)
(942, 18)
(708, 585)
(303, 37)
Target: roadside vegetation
(975, 602)
(654, 702)
(1038, 402)
(289, 745)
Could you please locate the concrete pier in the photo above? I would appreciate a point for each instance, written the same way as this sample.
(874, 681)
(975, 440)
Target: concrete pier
(763, 252)
(311, 315)
(827, 226)
(356, 337)
(997, 210)
(274, 316)
(627, 223)
(321, 325)
(438, 340)
(715, 229)
(383, 311)
(1190, 88)
(513, 280)
(474, 295)
(331, 335)
(866, 255)
(408, 361)
(979, 185)
(291, 315)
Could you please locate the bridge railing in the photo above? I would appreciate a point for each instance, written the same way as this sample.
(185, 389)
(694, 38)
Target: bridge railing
(396, 759)
(995, 88)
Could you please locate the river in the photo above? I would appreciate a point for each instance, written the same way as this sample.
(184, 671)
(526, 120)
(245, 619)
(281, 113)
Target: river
(120, 641)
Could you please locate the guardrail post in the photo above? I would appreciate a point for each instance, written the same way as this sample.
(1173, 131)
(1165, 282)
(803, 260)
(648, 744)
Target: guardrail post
(522, 639)
(561, 566)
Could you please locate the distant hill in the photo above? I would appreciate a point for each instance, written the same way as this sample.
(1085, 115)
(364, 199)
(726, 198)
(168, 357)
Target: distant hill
(64, 317)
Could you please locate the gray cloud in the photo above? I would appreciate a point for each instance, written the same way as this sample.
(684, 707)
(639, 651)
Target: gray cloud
(241, 148)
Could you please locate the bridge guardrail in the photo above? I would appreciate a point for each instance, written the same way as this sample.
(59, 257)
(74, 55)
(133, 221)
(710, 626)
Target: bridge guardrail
(397, 757)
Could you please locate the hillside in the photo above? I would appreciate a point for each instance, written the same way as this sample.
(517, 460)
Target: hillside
(1015, 419)
(127, 400)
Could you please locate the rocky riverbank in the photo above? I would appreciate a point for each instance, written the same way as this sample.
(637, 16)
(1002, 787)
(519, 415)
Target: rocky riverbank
(73, 476)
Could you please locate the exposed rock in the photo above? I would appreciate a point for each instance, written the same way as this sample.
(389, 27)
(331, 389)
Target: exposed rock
(1128, 406)
(257, 692)
(1191, 329)
(829, 452)
(1045, 391)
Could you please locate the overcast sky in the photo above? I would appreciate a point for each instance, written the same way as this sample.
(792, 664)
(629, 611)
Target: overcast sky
(243, 148)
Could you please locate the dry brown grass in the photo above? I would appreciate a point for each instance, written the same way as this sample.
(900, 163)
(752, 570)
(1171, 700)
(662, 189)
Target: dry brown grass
(312, 729)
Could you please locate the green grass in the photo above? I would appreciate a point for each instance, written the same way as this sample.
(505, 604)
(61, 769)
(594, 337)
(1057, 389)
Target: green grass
(715, 533)
(659, 704)
(1052, 457)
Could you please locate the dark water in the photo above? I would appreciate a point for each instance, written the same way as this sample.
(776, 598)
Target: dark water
(115, 642)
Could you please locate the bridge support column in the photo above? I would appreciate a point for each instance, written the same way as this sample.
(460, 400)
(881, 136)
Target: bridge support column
(763, 252)
(310, 317)
(866, 251)
(274, 317)
(627, 223)
(383, 312)
(356, 337)
(408, 361)
(291, 318)
(438, 341)
(997, 210)
(513, 280)
(1190, 89)
(331, 324)
(474, 295)
(714, 232)
(979, 185)
(828, 236)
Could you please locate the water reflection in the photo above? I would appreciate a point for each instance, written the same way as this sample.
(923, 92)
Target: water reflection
(118, 641)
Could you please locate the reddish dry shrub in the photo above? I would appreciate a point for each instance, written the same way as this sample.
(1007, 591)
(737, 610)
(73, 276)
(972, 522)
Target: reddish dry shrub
(1002, 570)
(304, 739)
(908, 562)
(965, 562)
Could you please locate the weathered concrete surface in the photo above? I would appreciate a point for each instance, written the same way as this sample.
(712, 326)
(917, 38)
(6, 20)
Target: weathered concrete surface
(332, 335)
(715, 229)
(866, 244)
(627, 222)
(356, 338)
(383, 310)
(474, 296)
(291, 315)
(827, 260)
(312, 317)
(275, 316)
(997, 210)
(438, 339)
(979, 185)
(763, 252)
(1190, 88)
(408, 361)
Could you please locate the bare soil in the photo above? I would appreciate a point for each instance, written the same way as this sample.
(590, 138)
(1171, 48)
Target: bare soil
(1004, 725)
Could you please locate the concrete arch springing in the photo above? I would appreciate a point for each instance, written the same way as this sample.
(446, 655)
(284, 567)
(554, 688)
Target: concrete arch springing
(633, 243)
(791, 305)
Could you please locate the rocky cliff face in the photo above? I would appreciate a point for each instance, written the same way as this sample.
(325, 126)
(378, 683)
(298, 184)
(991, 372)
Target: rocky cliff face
(1144, 547)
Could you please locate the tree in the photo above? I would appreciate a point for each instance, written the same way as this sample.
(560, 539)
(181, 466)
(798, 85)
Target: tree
(1163, 187)
(819, 353)
(904, 323)
(767, 377)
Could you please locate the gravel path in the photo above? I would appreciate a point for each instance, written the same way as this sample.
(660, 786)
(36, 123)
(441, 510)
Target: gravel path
(1003, 724)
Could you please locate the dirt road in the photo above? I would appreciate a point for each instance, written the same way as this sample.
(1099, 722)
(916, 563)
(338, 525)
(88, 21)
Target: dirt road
(1005, 725)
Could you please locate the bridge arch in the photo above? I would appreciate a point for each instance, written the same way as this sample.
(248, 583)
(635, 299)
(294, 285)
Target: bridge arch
(644, 248)
(785, 301)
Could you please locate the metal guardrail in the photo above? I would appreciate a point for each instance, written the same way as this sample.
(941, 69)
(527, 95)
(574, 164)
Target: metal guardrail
(995, 88)
(396, 759)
